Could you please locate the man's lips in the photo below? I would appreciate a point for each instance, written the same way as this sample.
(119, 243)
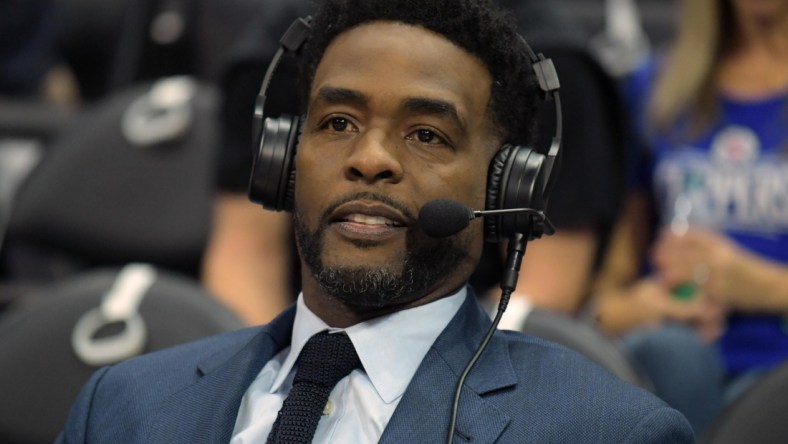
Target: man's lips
(371, 220)
(371, 214)
(368, 221)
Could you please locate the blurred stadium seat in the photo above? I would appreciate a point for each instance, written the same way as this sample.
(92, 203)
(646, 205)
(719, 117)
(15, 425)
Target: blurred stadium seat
(758, 416)
(131, 180)
(52, 340)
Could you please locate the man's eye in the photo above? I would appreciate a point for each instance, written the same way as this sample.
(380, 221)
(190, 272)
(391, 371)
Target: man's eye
(427, 136)
(338, 124)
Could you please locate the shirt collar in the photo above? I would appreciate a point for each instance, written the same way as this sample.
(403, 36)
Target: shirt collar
(389, 366)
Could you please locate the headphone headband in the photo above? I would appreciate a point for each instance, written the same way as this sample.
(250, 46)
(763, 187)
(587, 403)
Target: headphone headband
(292, 40)
(547, 76)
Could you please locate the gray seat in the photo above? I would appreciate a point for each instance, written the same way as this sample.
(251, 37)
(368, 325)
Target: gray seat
(758, 416)
(52, 340)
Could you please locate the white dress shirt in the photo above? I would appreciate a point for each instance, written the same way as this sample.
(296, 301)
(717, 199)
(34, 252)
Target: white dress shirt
(390, 348)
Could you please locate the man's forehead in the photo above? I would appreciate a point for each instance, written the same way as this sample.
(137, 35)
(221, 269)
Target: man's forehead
(386, 33)
(419, 67)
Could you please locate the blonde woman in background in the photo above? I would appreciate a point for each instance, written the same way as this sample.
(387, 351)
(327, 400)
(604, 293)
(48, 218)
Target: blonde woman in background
(697, 277)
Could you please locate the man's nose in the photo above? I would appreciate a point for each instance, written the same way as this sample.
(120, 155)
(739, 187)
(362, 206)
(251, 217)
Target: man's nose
(374, 158)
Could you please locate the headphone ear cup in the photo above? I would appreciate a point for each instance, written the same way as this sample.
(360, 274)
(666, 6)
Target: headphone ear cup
(514, 180)
(272, 175)
(492, 202)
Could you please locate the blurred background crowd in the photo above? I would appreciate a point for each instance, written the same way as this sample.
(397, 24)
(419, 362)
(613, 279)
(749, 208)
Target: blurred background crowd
(126, 144)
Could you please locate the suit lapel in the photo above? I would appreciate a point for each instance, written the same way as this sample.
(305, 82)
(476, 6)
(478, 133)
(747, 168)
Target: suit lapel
(205, 411)
(423, 414)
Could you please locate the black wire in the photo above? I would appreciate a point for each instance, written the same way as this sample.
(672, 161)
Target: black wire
(551, 85)
(505, 295)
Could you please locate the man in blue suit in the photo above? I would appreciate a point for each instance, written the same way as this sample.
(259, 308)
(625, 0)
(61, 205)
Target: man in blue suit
(407, 102)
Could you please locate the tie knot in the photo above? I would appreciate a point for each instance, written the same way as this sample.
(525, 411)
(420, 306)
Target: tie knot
(326, 358)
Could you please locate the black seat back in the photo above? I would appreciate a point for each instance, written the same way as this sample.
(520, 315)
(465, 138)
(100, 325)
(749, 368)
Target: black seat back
(131, 180)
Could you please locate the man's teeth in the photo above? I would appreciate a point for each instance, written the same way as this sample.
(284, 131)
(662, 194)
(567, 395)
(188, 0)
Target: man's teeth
(370, 220)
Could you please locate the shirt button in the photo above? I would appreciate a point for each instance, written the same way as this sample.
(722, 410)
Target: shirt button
(329, 408)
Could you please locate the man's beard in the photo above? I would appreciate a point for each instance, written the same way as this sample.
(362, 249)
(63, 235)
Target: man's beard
(424, 263)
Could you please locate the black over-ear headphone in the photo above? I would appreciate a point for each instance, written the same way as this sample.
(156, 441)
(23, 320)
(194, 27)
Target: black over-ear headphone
(518, 176)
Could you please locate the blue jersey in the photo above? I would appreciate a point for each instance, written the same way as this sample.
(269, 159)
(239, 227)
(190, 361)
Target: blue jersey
(732, 177)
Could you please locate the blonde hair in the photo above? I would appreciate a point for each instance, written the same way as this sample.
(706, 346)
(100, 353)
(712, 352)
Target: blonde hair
(686, 82)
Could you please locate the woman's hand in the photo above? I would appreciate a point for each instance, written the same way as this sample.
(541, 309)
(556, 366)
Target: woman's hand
(722, 270)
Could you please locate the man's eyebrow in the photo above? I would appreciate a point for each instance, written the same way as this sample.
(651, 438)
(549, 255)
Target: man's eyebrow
(331, 96)
(440, 108)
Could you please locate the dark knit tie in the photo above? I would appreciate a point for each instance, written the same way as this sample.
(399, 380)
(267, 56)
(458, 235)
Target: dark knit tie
(325, 359)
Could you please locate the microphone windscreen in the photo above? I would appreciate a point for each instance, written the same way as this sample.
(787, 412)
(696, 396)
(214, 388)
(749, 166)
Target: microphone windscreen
(444, 217)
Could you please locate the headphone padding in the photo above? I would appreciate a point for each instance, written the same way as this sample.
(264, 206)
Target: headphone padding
(493, 199)
(289, 192)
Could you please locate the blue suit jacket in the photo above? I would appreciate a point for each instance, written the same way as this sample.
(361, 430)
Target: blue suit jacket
(521, 390)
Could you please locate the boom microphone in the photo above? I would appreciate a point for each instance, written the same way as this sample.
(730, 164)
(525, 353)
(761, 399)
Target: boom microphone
(444, 217)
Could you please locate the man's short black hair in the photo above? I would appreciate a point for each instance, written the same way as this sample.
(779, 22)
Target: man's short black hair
(477, 26)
